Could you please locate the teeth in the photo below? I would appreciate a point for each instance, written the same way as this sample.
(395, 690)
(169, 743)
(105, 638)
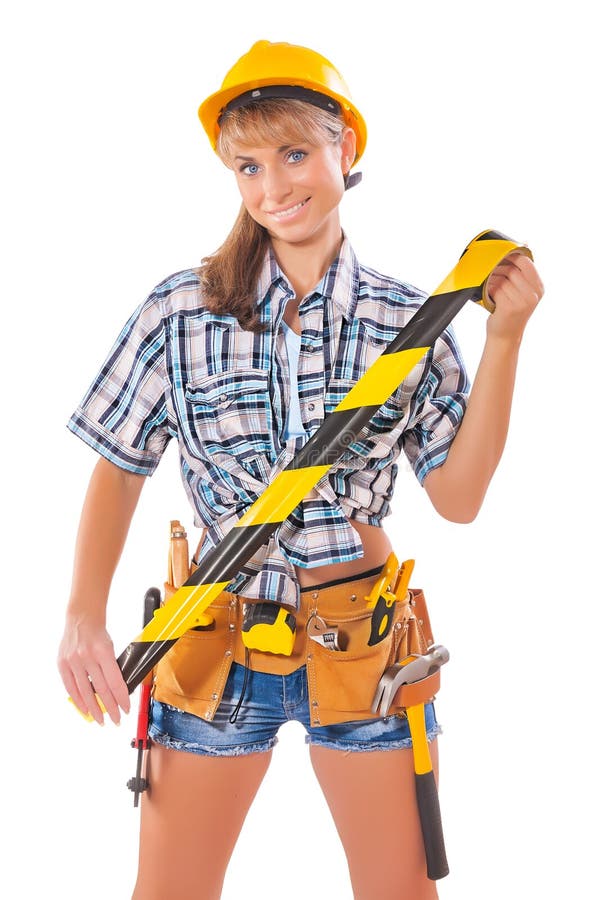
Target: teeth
(288, 212)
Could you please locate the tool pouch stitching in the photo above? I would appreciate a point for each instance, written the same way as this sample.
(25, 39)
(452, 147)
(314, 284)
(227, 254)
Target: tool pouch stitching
(192, 675)
(340, 693)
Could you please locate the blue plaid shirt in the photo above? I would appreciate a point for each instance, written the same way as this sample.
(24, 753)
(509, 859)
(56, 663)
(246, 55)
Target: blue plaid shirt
(179, 371)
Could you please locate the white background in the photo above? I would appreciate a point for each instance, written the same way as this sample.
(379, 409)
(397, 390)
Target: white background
(479, 116)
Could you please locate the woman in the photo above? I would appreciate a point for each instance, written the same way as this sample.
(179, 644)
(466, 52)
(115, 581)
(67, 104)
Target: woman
(240, 361)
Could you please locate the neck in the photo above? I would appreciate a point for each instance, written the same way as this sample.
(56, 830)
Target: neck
(305, 263)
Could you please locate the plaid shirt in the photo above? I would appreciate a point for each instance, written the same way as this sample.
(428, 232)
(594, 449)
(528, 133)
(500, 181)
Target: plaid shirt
(180, 371)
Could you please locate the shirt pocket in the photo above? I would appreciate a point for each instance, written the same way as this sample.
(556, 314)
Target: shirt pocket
(230, 413)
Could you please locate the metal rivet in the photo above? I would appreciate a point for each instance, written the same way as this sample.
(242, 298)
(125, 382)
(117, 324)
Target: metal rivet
(309, 657)
(208, 715)
(228, 653)
(315, 595)
(420, 621)
(315, 703)
(232, 602)
(214, 697)
(232, 627)
(353, 597)
(317, 722)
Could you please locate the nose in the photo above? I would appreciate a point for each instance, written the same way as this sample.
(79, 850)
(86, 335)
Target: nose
(276, 184)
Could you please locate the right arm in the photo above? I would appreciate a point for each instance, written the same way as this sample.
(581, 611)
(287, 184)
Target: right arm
(86, 653)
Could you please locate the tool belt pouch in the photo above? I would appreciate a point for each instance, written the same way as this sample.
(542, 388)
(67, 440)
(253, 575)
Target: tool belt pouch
(192, 675)
(342, 683)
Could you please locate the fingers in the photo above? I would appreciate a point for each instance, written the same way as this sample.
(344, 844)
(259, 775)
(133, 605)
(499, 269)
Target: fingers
(517, 278)
(520, 270)
(75, 695)
(515, 288)
(91, 675)
(99, 681)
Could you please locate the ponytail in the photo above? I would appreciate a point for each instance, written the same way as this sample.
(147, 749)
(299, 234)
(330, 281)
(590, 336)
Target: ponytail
(229, 277)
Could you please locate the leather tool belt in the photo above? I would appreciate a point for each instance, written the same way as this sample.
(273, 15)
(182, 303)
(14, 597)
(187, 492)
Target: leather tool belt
(341, 681)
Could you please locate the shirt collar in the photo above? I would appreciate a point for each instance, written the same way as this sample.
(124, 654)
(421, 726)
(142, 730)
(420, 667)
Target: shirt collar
(339, 283)
(270, 276)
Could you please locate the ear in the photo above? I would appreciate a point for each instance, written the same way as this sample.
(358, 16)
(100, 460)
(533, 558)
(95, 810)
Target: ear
(348, 147)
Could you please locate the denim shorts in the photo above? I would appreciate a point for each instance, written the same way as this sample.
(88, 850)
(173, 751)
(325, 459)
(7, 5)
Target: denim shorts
(268, 702)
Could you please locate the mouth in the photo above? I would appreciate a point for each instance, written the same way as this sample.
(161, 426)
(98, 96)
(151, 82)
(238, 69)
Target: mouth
(288, 211)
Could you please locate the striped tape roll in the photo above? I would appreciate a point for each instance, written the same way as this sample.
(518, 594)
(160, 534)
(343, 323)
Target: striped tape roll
(185, 608)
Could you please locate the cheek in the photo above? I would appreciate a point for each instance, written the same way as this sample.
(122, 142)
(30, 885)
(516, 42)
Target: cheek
(332, 177)
(332, 186)
(249, 191)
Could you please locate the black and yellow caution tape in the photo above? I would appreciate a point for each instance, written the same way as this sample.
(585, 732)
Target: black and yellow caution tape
(185, 608)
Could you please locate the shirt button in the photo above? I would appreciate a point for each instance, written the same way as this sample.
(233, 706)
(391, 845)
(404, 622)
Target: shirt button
(311, 406)
(223, 398)
(310, 348)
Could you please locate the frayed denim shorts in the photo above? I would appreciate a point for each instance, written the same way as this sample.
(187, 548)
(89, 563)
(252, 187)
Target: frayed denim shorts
(269, 701)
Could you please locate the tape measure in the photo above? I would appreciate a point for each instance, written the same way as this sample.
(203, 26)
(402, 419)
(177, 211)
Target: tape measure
(268, 627)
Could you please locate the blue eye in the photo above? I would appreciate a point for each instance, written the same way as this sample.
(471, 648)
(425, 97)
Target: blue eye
(249, 169)
(296, 155)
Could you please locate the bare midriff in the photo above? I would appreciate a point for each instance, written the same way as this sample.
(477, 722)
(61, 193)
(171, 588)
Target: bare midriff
(376, 545)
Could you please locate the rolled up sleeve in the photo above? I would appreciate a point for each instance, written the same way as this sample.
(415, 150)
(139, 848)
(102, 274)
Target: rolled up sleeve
(437, 408)
(123, 415)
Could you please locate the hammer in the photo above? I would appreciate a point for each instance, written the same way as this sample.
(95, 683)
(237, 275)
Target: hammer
(411, 670)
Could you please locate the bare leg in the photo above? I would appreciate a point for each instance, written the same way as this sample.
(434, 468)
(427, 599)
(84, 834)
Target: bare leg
(191, 819)
(372, 800)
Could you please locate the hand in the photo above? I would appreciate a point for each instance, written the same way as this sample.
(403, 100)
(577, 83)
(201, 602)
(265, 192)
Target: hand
(87, 664)
(516, 289)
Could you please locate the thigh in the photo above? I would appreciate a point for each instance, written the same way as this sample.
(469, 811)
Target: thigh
(190, 821)
(372, 799)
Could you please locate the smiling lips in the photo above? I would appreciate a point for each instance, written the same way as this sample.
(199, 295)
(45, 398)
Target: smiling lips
(284, 213)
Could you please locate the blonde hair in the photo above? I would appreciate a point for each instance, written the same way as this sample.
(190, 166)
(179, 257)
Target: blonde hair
(230, 275)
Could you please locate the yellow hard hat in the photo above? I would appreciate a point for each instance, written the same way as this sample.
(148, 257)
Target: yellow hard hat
(283, 70)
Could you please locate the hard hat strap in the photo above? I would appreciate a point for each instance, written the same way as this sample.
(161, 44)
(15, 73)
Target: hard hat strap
(351, 180)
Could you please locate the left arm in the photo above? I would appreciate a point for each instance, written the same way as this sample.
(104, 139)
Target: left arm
(457, 487)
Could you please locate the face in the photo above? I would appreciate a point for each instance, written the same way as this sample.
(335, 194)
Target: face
(294, 191)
